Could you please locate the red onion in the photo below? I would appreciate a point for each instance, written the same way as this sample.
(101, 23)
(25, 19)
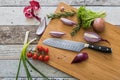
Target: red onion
(67, 21)
(29, 10)
(56, 34)
(62, 9)
(93, 37)
(80, 57)
(99, 24)
(35, 5)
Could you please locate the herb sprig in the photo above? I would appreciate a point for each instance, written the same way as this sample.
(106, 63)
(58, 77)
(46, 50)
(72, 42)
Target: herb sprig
(62, 14)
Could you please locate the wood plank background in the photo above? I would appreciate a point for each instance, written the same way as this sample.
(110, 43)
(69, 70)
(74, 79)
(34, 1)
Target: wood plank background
(13, 26)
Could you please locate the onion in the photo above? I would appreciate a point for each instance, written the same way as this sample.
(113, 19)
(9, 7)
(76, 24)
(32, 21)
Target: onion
(80, 57)
(35, 5)
(99, 24)
(67, 21)
(56, 34)
(29, 11)
(93, 37)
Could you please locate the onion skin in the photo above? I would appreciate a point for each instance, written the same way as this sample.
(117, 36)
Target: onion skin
(67, 22)
(56, 34)
(80, 57)
(99, 25)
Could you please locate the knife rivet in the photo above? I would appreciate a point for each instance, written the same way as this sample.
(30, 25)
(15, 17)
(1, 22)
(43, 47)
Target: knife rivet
(99, 47)
(107, 49)
(92, 46)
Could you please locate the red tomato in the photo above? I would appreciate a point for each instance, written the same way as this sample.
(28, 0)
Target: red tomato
(40, 48)
(35, 56)
(40, 58)
(46, 58)
(46, 50)
(29, 54)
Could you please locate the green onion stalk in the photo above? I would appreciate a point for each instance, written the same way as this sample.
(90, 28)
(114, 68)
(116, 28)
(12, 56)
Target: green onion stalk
(25, 61)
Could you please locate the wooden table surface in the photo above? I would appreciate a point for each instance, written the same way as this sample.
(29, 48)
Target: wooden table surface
(13, 26)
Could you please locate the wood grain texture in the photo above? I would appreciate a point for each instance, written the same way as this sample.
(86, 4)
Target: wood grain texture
(15, 16)
(99, 66)
(12, 65)
(56, 2)
(16, 34)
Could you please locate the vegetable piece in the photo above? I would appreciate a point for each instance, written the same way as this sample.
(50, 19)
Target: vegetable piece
(63, 14)
(62, 9)
(99, 24)
(29, 10)
(46, 50)
(80, 57)
(56, 34)
(46, 58)
(93, 37)
(41, 57)
(35, 5)
(68, 22)
(35, 56)
(86, 18)
(29, 54)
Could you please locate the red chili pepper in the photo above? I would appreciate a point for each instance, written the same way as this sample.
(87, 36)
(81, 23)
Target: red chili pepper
(35, 56)
(29, 54)
(46, 58)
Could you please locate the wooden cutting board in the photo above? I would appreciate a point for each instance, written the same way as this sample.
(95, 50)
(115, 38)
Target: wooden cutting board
(99, 66)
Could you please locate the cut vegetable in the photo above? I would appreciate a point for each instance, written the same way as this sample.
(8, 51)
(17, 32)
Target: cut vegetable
(68, 22)
(80, 57)
(93, 37)
(56, 34)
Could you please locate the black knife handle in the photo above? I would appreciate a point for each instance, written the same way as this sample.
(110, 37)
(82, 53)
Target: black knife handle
(100, 48)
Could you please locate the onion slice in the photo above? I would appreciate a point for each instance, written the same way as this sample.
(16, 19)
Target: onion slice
(80, 57)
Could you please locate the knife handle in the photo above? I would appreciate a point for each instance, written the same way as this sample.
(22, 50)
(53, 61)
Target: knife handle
(100, 48)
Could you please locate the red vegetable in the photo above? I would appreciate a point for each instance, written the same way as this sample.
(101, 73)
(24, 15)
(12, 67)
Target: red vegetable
(41, 57)
(46, 50)
(35, 56)
(46, 58)
(99, 24)
(29, 54)
(93, 37)
(29, 11)
(35, 5)
(80, 57)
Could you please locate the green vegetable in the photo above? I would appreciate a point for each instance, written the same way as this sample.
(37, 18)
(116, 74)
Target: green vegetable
(85, 18)
(25, 60)
(62, 14)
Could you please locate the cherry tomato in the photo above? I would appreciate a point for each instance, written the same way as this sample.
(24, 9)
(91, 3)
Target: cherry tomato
(29, 54)
(46, 58)
(46, 50)
(40, 48)
(41, 57)
(35, 56)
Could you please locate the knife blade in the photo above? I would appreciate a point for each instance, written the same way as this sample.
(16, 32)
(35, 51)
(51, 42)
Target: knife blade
(74, 46)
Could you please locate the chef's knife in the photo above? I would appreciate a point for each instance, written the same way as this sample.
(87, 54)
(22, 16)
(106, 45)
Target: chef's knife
(74, 46)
